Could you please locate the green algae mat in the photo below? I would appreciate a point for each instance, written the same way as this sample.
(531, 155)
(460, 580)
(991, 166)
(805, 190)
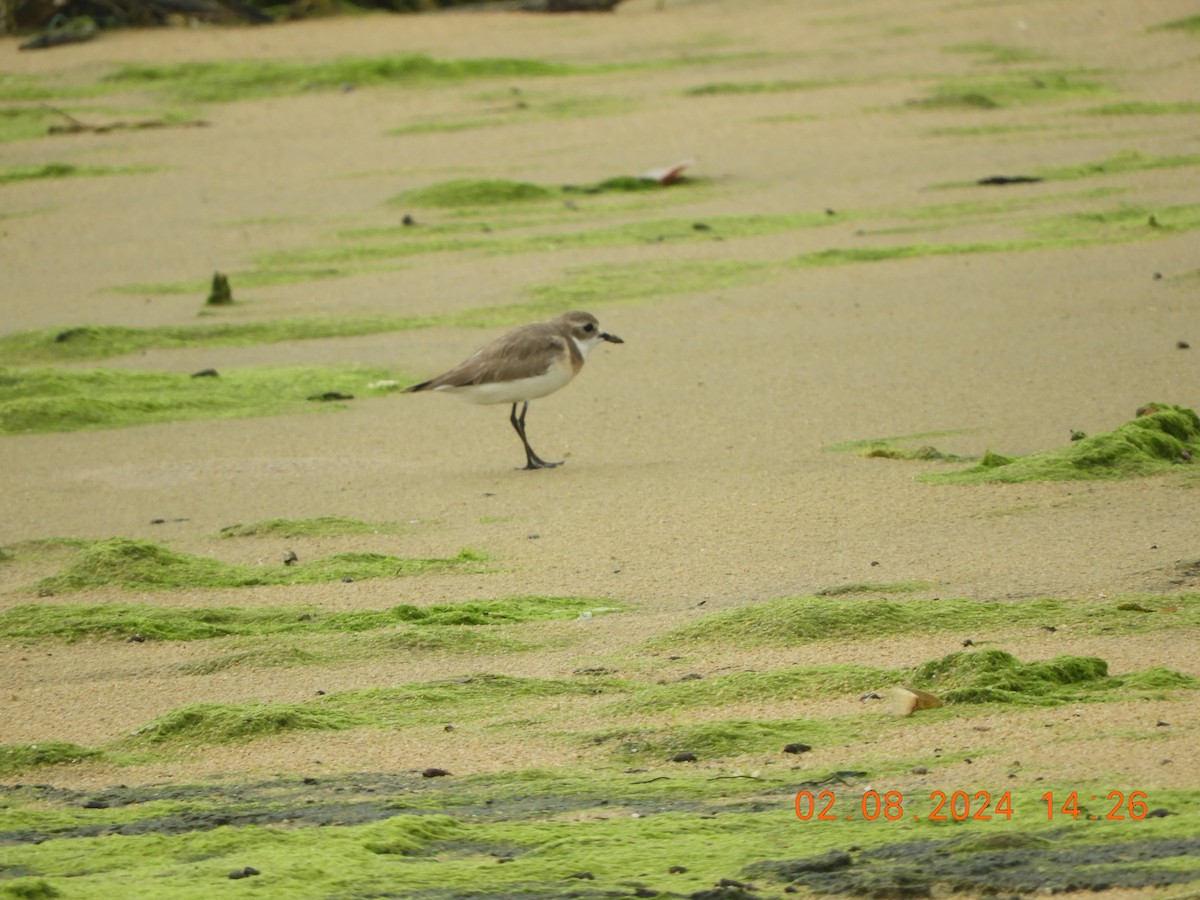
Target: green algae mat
(682, 810)
(544, 835)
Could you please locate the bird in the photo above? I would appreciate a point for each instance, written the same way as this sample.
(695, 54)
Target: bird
(526, 363)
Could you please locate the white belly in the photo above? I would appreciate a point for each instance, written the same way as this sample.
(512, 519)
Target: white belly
(515, 391)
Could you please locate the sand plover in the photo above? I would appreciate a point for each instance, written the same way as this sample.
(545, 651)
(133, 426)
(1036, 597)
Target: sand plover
(528, 362)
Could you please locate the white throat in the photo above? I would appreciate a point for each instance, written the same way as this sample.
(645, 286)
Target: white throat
(585, 347)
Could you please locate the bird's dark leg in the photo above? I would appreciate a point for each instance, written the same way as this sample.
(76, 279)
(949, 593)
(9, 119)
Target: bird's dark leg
(532, 460)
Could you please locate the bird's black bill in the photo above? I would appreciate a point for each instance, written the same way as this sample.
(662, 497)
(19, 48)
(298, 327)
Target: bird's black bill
(611, 338)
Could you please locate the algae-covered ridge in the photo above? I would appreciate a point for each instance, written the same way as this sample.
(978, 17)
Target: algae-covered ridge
(145, 566)
(796, 620)
(34, 400)
(1162, 437)
(72, 622)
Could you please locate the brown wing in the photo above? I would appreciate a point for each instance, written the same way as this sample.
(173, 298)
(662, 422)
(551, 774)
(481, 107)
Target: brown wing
(522, 353)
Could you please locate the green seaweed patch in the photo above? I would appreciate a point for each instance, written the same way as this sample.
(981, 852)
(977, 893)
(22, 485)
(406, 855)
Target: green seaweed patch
(517, 108)
(476, 192)
(420, 703)
(510, 610)
(1011, 90)
(321, 526)
(453, 640)
(439, 856)
(469, 193)
(989, 53)
(591, 285)
(410, 835)
(625, 184)
(1189, 25)
(1161, 438)
(1120, 225)
(843, 256)
(1143, 108)
(754, 687)
(1129, 222)
(988, 129)
(864, 446)
(212, 82)
(362, 835)
(22, 757)
(924, 452)
(19, 123)
(796, 620)
(876, 587)
(36, 401)
(220, 723)
(733, 737)
(976, 676)
(72, 622)
(759, 87)
(47, 171)
(1118, 164)
(262, 658)
(1085, 859)
(994, 676)
(141, 565)
(102, 341)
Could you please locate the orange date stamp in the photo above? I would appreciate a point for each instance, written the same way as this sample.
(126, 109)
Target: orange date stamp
(959, 806)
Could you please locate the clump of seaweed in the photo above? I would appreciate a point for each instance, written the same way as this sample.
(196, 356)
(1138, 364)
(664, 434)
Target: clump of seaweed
(1160, 437)
(994, 676)
(73, 622)
(36, 401)
(788, 621)
(142, 565)
(477, 192)
(19, 757)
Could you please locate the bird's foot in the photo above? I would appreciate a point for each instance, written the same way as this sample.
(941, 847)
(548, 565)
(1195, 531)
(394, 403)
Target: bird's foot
(535, 462)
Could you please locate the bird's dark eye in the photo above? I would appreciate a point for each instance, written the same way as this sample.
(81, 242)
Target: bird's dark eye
(589, 327)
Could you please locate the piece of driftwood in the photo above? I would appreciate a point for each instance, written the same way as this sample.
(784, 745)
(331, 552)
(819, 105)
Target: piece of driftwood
(75, 126)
